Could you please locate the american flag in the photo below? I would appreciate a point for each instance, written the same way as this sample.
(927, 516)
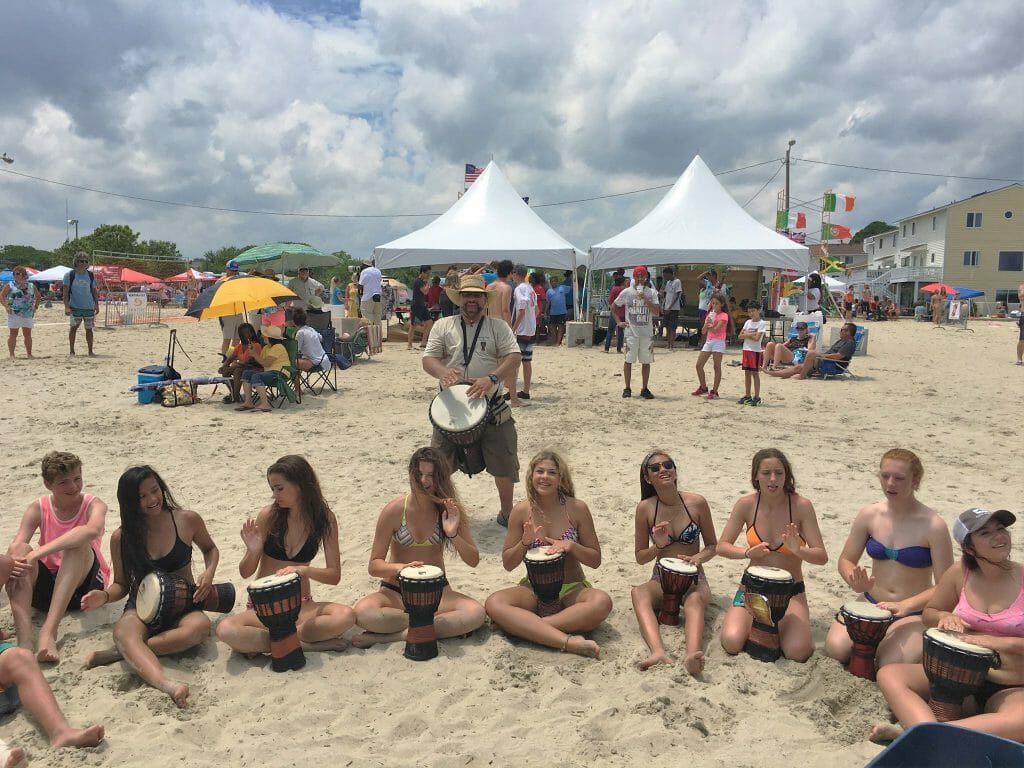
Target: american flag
(472, 173)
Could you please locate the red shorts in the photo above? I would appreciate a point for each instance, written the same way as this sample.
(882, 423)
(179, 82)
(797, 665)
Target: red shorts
(752, 360)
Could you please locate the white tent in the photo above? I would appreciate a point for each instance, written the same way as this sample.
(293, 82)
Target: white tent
(698, 222)
(488, 223)
(51, 275)
(830, 282)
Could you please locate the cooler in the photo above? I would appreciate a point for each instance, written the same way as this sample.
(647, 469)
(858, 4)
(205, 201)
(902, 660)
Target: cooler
(944, 745)
(148, 395)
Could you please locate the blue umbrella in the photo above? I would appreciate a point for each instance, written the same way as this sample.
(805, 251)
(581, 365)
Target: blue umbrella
(6, 276)
(968, 293)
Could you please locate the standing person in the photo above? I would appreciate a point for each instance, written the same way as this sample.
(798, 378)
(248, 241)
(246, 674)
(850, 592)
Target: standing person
(781, 532)
(434, 294)
(904, 570)
(500, 303)
(671, 305)
(715, 329)
(553, 519)
(813, 294)
(152, 521)
(568, 287)
(618, 286)
(21, 300)
(1020, 325)
(284, 538)
(981, 598)
(557, 312)
(634, 310)
(482, 351)
(937, 303)
(352, 295)
(451, 283)
(229, 324)
(865, 300)
(419, 314)
(66, 562)
(524, 326)
(848, 303)
(337, 291)
(81, 301)
(671, 523)
(371, 302)
(707, 280)
(753, 357)
(305, 288)
(416, 529)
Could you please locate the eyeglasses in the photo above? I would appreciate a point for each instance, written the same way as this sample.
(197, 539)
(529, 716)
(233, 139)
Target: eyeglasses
(801, 327)
(655, 466)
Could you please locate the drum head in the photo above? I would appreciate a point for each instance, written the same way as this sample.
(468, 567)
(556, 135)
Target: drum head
(540, 554)
(147, 599)
(769, 574)
(677, 565)
(273, 581)
(452, 410)
(421, 572)
(862, 610)
(951, 640)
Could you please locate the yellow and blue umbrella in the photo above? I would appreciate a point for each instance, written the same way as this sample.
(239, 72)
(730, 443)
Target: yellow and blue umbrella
(238, 295)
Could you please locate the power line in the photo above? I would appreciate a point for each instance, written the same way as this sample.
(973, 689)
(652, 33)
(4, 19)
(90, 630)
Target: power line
(906, 173)
(777, 171)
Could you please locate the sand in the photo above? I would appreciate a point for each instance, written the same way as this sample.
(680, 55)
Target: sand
(952, 396)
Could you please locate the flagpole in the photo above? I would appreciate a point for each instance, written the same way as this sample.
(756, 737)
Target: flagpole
(788, 148)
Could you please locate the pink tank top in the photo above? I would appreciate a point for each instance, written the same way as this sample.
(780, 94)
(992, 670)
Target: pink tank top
(1008, 623)
(52, 527)
(722, 332)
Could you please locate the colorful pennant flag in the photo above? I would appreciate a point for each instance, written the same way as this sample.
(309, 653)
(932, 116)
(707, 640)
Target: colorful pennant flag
(834, 202)
(790, 220)
(835, 232)
(472, 173)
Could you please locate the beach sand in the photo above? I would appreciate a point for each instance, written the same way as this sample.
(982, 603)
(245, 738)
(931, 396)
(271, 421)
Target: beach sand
(952, 396)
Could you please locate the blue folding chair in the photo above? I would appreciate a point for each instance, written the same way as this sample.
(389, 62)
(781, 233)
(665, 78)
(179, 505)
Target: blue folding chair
(325, 375)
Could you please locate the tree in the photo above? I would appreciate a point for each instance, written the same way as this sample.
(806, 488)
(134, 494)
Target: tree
(215, 261)
(26, 256)
(160, 248)
(874, 228)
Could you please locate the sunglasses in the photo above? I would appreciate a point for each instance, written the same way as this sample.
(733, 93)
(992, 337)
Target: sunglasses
(472, 295)
(655, 466)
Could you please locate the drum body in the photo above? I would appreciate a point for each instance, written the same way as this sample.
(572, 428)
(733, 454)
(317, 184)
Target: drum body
(276, 601)
(866, 624)
(422, 587)
(676, 577)
(462, 421)
(766, 596)
(546, 574)
(162, 599)
(955, 670)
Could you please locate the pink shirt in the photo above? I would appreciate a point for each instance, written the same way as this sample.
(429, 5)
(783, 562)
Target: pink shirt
(52, 527)
(1008, 622)
(721, 333)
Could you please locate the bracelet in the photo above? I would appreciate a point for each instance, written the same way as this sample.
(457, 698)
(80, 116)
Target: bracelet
(106, 595)
(524, 546)
(451, 538)
(747, 553)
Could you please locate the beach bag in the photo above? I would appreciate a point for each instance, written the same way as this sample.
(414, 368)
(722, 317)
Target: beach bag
(178, 393)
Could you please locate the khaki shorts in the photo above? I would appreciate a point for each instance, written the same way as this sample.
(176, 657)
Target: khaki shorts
(499, 447)
(639, 349)
(229, 326)
(372, 310)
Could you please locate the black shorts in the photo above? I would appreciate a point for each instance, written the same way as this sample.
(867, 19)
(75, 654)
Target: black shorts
(42, 593)
(670, 319)
(419, 315)
(556, 320)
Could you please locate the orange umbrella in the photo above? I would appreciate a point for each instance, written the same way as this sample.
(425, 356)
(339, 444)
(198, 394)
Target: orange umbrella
(936, 287)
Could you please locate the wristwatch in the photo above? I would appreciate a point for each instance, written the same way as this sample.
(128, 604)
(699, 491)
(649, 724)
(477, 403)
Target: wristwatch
(493, 378)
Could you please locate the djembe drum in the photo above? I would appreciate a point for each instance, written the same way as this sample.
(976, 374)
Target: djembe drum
(766, 596)
(422, 587)
(676, 577)
(955, 670)
(163, 598)
(866, 624)
(276, 601)
(546, 574)
(460, 419)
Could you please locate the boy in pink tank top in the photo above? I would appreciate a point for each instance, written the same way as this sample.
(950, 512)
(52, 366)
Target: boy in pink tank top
(66, 562)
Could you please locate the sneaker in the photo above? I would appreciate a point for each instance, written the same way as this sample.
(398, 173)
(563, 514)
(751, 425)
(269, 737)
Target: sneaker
(744, 400)
(627, 392)
(523, 395)
(712, 395)
(646, 394)
(699, 392)
(755, 401)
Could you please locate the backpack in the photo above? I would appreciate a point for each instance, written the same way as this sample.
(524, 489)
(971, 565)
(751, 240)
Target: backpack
(73, 273)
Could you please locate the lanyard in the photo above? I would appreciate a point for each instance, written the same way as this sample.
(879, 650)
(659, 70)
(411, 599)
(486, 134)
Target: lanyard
(467, 351)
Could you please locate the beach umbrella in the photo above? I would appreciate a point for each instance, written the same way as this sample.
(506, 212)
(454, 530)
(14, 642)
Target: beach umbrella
(191, 274)
(968, 293)
(936, 287)
(284, 256)
(237, 295)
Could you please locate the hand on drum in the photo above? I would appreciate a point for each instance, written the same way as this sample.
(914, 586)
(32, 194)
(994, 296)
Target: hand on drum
(93, 599)
(203, 586)
(531, 532)
(451, 518)
(299, 569)
(559, 545)
(952, 623)
(659, 532)
(860, 580)
(450, 376)
(897, 609)
(791, 537)
(252, 536)
(479, 388)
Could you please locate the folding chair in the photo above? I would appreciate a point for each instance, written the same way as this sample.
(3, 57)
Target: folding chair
(318, 320)
(358, 345)
(287, 388)
(831, 369)
(325, 374)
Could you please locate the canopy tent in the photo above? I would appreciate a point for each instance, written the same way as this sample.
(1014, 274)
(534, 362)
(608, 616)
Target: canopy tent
(7, 276)
(488, 223)
(51, 275)
(193, 274)
(112, 274)
(698, 222)
(830, 282)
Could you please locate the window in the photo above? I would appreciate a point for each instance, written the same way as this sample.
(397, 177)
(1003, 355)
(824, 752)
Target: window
(1007, 295)
(913, 227)
(970, 258)
(933, 258)
(933, 222)
(1011, 261)
(974, 221)
(905, 230)
(905, 261)
(894, 241)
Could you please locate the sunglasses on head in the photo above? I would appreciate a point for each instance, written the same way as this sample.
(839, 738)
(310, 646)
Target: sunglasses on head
(655, 466)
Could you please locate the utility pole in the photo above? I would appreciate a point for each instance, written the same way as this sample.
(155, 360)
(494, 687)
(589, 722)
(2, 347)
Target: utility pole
(788, 148)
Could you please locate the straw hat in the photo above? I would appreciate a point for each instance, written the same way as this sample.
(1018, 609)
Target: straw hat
(315, 302)
(273, 332)
(467, 283)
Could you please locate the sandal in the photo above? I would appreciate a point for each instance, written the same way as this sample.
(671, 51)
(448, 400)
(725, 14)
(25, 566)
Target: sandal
(502, 519)
(245, 408)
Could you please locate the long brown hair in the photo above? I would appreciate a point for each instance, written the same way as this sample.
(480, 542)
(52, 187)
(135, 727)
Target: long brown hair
(646, 487)
(772, 453)
(313, 508)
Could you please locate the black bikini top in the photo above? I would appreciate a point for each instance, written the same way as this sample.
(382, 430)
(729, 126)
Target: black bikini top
(179, 556)
(274, 548)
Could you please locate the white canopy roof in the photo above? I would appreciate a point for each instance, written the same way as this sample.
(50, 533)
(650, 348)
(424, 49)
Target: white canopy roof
(830, 282)
(698, 222)
(488, 223)
(51, 275)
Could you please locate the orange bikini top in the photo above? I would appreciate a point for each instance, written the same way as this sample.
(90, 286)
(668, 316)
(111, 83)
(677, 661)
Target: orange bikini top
(754, 538)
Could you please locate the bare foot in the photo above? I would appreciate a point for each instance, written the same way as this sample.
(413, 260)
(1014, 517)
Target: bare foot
(581, 646)
(654, 658)
(370, 639)
(520, 403)
(694, 663)
(75, 737)
(178, 693)
(102, 657)
(47, 652)
(10, 756)
(333, 644)
(883, 733)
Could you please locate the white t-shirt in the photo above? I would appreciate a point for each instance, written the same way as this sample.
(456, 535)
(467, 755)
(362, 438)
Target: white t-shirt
(370, 280)
(813, 299)
(753, 345)
(309, 344)
(638, 317)
(673, 290)
(526, 307)
(305, 290)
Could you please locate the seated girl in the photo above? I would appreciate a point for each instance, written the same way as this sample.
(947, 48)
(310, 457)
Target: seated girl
(153, 522)
(284, 538)
(274, 360)
(414, 530)
(552, 519)
(241, 358)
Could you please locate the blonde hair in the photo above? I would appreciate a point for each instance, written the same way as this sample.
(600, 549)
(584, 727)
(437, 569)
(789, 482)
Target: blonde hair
(565, 486)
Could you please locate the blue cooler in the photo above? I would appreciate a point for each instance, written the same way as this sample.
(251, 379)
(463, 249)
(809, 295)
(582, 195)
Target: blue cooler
(148, 395)
(943, 745)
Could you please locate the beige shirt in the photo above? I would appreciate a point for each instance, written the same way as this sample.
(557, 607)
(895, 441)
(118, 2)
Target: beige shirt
(496, 340)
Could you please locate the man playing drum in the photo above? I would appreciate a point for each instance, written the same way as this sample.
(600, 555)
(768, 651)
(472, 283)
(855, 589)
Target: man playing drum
(481, 351)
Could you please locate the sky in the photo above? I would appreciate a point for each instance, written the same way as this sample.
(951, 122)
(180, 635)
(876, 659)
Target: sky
(361, 115)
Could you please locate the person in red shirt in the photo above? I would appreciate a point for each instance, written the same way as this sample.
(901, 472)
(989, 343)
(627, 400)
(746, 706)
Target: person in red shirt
(434, 298)
(539, 283)
(617, 288)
